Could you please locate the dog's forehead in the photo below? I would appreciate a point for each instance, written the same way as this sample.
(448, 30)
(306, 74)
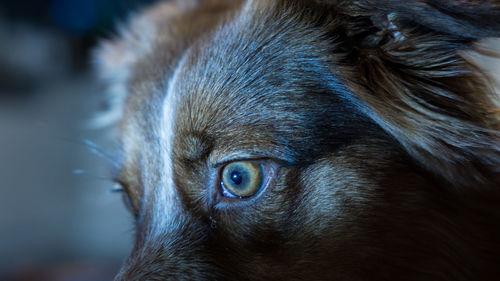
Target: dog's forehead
(244, 82)
(253, 69)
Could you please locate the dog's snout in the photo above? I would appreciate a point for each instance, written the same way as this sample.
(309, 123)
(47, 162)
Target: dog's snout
(172, 255)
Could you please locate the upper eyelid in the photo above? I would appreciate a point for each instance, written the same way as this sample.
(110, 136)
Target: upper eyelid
(123, 187)
(117, 178)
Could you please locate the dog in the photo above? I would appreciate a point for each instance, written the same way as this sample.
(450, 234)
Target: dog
(308, 140)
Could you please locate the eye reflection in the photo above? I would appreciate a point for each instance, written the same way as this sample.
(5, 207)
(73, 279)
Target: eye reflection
(242, 179)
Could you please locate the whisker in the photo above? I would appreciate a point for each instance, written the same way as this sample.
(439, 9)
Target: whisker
(95, 149)
(84, 175)
(97, 178)
(79, 172)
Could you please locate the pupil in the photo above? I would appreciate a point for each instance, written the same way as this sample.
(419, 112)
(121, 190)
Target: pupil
(236, 177)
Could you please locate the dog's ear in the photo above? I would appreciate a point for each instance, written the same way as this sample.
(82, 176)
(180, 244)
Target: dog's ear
(405, 62)
(473, 19)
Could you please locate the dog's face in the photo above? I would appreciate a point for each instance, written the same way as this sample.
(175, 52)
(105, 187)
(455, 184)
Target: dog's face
(295, 140)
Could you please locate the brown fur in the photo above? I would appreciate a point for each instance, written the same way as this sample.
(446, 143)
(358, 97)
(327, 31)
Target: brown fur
(380, 133)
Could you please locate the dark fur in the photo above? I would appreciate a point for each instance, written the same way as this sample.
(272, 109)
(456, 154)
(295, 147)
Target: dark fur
(388, 155)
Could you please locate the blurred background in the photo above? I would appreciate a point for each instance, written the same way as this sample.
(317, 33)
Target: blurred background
(58, 218)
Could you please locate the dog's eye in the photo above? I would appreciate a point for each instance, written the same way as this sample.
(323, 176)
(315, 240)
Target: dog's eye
(242, 179)
(127, 200)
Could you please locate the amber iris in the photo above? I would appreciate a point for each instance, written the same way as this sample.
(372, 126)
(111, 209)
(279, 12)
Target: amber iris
(242, 178)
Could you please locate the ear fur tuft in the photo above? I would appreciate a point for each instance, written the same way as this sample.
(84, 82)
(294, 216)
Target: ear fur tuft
(410, 71)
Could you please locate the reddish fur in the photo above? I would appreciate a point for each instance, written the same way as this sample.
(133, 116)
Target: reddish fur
(384, 135)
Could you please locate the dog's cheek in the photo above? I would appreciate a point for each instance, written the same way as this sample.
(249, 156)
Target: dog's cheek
(336, 207)
(343, 191)
(358, 203)
(249, 221)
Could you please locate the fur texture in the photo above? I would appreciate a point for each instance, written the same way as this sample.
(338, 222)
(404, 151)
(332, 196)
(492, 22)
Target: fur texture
(380, 138)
